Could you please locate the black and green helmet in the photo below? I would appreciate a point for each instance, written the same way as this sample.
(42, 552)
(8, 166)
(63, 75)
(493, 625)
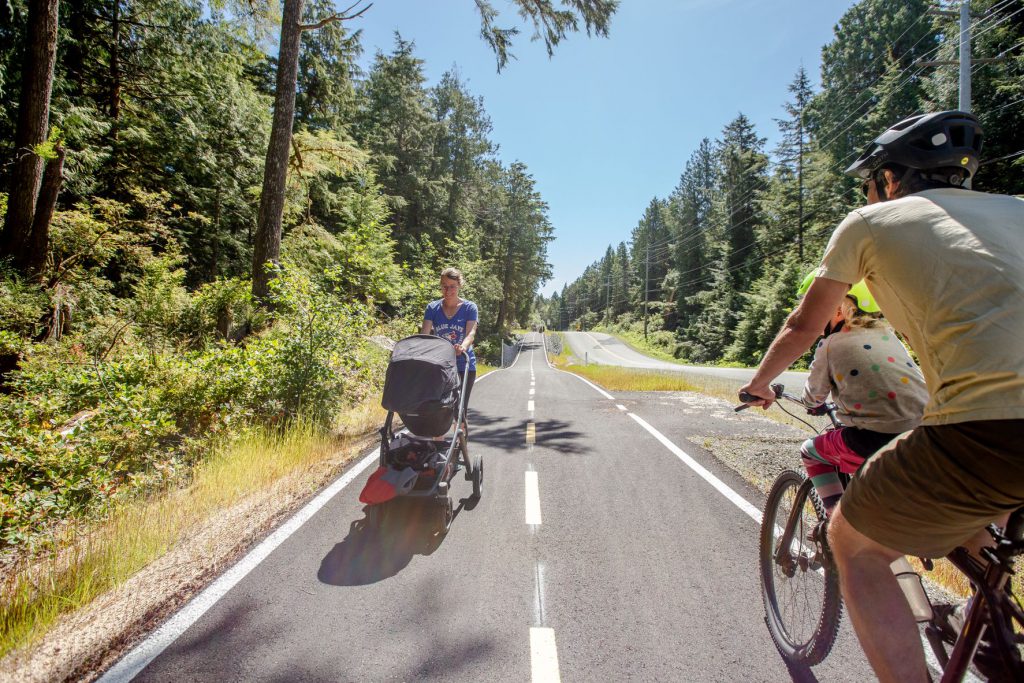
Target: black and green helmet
(944, 140)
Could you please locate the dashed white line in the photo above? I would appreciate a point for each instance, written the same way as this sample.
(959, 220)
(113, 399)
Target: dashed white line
(532, 498)
(543, 656)
(538, 593)
(529, 406)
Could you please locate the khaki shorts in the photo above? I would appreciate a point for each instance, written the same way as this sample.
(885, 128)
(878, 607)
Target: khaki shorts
(932, 488)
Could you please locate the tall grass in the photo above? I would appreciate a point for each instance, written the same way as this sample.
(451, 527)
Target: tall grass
(95, 560)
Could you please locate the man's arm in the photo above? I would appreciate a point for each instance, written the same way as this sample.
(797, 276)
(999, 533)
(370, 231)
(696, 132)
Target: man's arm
(803, 326)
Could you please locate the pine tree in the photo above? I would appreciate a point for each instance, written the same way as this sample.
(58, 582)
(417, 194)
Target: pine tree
(690, 208)
(26, 226)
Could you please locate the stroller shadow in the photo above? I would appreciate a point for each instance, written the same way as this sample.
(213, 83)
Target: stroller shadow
(374, 552)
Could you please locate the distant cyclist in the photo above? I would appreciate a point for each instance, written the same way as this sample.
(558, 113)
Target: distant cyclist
(947, 268)
(876, 386)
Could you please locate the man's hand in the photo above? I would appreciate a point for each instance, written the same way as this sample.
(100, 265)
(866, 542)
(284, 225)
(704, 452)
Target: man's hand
(762, 391)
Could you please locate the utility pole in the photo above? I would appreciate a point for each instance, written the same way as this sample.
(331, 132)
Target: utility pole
(647, 278)
(608, 299)
(965, 62)
(965, 56)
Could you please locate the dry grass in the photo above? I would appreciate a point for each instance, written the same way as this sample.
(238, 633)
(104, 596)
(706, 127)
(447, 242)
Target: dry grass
(96, 559)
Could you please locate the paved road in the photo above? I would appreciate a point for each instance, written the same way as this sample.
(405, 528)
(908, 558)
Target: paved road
(595, 554)
(604, 349)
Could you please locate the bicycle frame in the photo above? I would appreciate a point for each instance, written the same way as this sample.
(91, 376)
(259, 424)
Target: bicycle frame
(989, 580)
(991, 607)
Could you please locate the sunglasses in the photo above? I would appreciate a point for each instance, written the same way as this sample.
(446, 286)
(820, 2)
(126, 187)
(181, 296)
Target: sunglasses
(865, 187)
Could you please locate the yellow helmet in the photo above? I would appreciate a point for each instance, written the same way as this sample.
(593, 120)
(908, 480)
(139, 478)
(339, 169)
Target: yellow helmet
(859, 292)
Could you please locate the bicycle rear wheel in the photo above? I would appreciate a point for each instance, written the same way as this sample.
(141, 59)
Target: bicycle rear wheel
(799, 583)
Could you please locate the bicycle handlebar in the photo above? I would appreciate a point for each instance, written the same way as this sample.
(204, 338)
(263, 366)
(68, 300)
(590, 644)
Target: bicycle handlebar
(780, 392)
(749, 399)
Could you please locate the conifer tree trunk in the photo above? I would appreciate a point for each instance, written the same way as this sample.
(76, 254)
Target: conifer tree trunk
(18, 240)
(267, 246)
(46, 204)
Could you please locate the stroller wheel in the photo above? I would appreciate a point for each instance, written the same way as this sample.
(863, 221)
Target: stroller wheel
(478, 476)
(445, 513)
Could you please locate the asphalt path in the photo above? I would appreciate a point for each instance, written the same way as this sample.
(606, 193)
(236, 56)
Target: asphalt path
(605, 349)
(595, 554)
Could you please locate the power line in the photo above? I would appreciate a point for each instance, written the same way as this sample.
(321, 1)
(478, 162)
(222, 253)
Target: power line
(699, 231)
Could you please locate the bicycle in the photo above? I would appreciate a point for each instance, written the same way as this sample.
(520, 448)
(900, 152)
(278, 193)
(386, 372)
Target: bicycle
(800, 582)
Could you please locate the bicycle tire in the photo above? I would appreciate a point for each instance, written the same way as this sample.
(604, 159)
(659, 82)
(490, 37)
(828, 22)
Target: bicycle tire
(808, 638)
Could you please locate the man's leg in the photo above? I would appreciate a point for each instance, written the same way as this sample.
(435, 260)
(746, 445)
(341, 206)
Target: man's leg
(877, 608)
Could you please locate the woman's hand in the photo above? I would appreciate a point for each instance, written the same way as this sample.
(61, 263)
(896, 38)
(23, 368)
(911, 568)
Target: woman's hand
(458, 349)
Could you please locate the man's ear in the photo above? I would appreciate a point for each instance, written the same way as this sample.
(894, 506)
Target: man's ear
(891, 181)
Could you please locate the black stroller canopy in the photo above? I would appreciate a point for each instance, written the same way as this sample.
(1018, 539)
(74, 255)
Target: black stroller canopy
(422, 370)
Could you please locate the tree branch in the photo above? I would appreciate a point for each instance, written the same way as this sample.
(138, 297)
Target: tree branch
(342, 16)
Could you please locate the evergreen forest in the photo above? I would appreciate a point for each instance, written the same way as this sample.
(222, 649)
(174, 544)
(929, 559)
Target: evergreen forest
(709, 273)
(210, 211)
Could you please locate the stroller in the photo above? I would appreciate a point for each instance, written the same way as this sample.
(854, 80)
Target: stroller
(422, 386)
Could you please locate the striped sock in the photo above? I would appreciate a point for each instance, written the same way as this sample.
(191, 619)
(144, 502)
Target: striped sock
(823, 475)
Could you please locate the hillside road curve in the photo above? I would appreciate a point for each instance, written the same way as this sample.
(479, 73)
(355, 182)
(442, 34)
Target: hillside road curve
(605, 349)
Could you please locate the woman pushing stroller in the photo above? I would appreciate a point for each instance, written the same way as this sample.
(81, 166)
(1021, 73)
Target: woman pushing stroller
(454, 318)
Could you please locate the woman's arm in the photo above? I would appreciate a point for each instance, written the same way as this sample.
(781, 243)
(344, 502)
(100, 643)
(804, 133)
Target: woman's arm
(467, 341)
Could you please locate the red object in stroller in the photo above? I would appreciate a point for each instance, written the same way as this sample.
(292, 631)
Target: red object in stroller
(422, 386)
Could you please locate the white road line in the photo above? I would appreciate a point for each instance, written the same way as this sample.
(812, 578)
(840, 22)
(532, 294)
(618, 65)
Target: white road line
(538, 593)
(738, 500)
(543, 656)
(620, 406)
(532, 391)
(529, 406)
(532, 499)
(755, 514)
(592, 385)
(140, 657)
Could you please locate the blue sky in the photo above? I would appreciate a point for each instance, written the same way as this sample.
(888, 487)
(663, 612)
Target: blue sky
(607, 124)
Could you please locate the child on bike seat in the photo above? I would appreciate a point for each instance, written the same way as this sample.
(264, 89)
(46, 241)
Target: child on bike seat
(878, 390)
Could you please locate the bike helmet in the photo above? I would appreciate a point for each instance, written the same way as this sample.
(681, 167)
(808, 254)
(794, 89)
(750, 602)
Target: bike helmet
(858, 292)
(947, 139)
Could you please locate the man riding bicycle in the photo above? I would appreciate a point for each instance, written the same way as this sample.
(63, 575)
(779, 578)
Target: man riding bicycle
(946, 266)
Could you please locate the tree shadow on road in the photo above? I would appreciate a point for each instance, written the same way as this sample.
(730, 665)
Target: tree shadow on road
(509, 435)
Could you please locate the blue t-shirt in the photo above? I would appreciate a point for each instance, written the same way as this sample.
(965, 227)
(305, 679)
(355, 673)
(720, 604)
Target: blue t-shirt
(454, 328)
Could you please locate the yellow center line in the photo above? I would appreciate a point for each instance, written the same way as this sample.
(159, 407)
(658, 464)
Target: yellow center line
(531, 432)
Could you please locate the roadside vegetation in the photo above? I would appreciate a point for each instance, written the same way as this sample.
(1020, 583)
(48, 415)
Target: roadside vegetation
(710, 272)
(181, 329)
(92, 559)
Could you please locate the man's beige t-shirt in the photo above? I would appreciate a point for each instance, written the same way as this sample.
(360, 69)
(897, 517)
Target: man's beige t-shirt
(947, 269)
